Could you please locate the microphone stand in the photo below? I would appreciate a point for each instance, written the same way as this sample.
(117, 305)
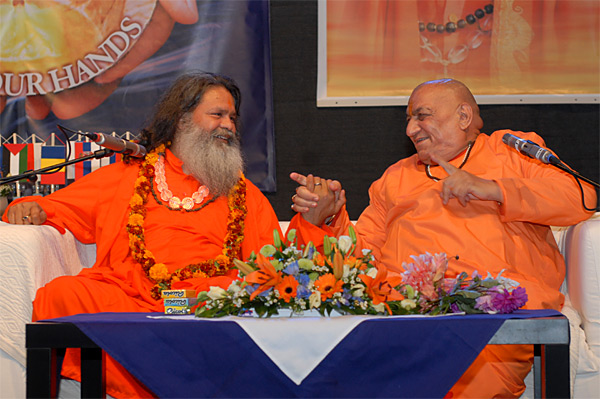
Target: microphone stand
(31, 175)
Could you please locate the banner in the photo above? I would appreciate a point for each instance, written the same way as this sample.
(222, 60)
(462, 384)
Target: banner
(506, 51)
(101, 65)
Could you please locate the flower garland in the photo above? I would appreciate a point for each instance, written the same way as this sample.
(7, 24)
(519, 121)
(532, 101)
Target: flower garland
(158, 272)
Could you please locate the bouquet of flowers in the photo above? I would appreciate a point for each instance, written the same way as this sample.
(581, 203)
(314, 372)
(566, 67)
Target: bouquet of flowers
(283, 276)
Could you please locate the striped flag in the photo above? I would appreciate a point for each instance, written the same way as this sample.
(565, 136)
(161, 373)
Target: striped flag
(52, 155)
(80, 149)
(22, 157)
(112, 159)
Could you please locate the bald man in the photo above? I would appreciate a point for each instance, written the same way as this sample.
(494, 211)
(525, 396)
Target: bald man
(463, 193)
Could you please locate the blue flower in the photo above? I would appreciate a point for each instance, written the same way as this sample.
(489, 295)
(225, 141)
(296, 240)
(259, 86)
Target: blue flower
(292, 269)
(266, 293)
(303, 279)
(302, 292)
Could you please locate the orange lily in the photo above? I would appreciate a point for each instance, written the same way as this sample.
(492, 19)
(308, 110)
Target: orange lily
(266, 276)
(381, 289)
(338, 265)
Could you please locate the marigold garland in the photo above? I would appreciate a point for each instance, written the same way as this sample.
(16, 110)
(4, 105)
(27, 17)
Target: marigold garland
(157, 272)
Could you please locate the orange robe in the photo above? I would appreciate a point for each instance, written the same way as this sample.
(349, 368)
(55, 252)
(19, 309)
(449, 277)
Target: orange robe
(406, 217)
(95, 209)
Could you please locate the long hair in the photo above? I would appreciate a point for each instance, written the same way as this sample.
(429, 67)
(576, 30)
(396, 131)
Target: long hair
(182, 98)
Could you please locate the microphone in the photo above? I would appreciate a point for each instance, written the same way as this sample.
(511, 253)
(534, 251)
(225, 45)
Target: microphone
(531, 149)
(116, 144)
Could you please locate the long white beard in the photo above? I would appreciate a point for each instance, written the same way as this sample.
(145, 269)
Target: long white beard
(215, 164)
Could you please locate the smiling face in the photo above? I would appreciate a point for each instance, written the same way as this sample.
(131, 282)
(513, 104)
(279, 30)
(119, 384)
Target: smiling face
(216, 114)
(440, 121)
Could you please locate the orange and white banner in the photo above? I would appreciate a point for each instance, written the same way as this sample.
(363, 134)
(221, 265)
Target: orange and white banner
(507, 51)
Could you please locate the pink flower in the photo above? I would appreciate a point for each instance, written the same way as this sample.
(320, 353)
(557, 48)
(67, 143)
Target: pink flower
(425, 272)
(484, 303)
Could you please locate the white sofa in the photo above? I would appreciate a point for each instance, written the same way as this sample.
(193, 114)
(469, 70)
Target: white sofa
(30, 256)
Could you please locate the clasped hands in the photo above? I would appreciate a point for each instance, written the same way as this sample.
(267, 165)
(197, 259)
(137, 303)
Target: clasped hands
(318, 199)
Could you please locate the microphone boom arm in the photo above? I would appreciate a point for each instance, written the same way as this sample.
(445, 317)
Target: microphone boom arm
(30, 173)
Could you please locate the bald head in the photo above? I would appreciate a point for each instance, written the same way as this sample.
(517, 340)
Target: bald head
(443, 118)
(461, 92)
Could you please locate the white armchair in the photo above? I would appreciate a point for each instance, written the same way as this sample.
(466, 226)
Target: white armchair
(31, 256)
(580, 245)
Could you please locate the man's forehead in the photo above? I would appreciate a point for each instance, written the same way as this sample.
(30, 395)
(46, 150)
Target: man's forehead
(413, 110)
(428, 98)
(217, 97)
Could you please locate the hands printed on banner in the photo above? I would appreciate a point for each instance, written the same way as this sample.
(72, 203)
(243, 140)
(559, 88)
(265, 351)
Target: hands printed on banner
(79, 100)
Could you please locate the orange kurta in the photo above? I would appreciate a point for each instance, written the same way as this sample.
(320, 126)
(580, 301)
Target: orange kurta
(406, 217)
(95, 209)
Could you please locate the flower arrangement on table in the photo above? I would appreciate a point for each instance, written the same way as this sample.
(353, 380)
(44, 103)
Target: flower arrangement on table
(282, 276)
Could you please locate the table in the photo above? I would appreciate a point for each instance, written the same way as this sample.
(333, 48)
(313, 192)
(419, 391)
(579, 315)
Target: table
(45, 341)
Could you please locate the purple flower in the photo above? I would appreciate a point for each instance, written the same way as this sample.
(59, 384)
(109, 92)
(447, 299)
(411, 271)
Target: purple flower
(454, 308)
(507, 302)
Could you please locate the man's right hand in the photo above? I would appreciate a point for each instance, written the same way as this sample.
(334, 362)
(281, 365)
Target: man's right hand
(26, 213)
(316, 198)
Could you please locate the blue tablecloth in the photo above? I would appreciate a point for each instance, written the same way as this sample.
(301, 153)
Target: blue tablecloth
(408, 357)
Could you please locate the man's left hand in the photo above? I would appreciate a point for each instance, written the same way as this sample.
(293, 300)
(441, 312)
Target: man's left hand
(465, 186)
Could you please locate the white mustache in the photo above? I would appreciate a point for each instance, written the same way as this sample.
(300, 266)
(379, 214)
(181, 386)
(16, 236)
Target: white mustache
(224, 134)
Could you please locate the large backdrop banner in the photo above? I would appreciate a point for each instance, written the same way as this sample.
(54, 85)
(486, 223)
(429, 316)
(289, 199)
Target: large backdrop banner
(101, 65)
(507, 51)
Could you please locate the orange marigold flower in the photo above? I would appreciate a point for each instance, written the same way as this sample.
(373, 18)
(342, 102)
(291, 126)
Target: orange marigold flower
(136, 219)
(133, 241)
(200, 274)
(159, 272)
(328, 285)
(136, 200)
(153, 156)
(222, 259)
(287, 288)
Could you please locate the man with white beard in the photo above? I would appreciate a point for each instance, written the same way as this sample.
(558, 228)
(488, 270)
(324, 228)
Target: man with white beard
(175, 219)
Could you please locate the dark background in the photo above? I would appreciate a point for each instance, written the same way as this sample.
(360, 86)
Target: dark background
(356, 144)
